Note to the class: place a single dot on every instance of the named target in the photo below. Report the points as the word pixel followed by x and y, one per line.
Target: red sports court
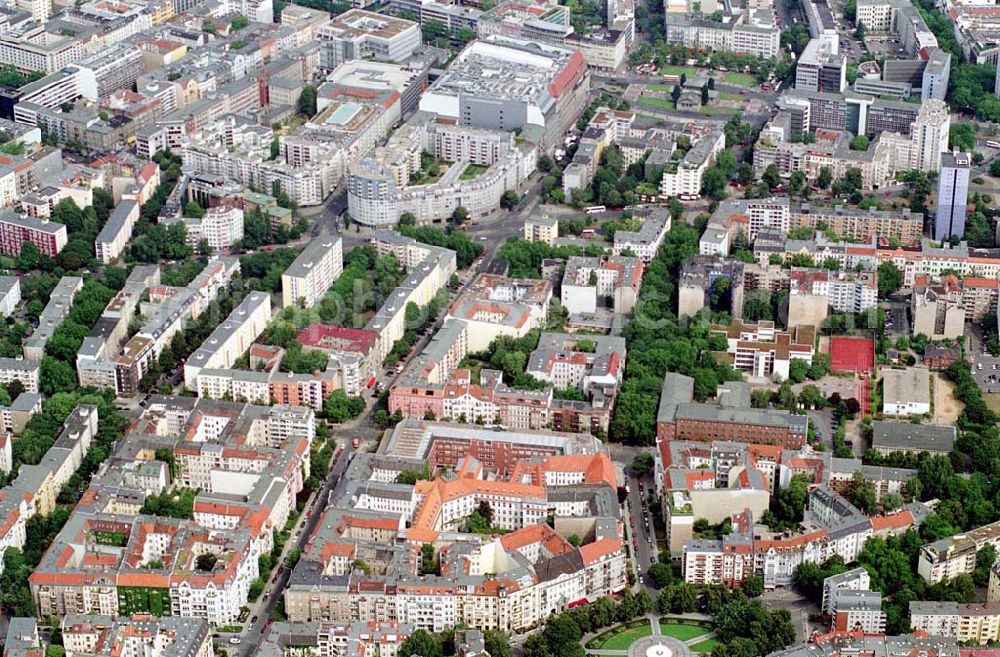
pixel 849 354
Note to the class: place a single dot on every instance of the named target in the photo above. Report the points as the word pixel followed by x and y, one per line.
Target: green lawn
pixel 662 103
pixel 721 111
pixel 705 646
pixel 473 171
pixel 740 79
pixel 655 86
pixel 623 640
pixel 678 70
pixel 726 95
pixel 682 631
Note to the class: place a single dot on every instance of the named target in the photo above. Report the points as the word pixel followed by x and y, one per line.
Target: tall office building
pixel 952 197
pixel 822 67
pixel 929 135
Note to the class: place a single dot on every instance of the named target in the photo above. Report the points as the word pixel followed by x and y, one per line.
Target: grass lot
pixel 656 102
pixel 726 95
pixel 740 79
pixel 720 111
pixel 678 70
pixel 682 631
pixel 622 640
pixel 666 88
pixel 473 171
pixel 705 646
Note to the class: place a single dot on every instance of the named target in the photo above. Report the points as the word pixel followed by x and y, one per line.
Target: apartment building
pixel 842 644
pixel 730 417
pixel 352 639
pixel 117 231
pixel 379 188
pixel 737 35
pixel 682 178
pixel 728 561
pixel 150 564
pixel 10 295
pixel 645 242
pixel 578 490
pixel 974 622
pixel 763 351
pixel 813 291
pixel 857 610
pixel 699 273
pixel 55 311
pixel 359 34
pixel 952 196
pixel 541 228
pixel 311 274
pixel 860 225
pixel 48 236
pixel 833 527
pixel 493 306
pixel 231 339
pixel 109 359
pixel 20 369
pixel 856 579
pixel 221 227
pixel 950 557
pixel 42 482
pixel 428 268
pixel 607 282
pixel 87 635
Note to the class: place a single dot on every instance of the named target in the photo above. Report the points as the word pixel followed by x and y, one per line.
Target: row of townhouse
pixel 247 464
pixel 108 358
pixel 35 488
pixel 948 558
pixel 833 527
pixel 776 216
pixel 506 583
pixel 434 384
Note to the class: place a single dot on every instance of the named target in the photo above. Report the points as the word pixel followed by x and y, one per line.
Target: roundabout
pixel 658 645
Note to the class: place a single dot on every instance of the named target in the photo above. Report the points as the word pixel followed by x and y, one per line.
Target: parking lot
pixel 986 371
pixel 897 324
pixel 985 368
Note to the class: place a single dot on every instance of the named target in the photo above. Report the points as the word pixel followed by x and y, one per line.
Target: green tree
pixel 497 644
pixel 421 643
pixel 771 177
pixel 509 200
pixel 193 209
pixel 29 257
pixel 890 279
pixel 824 178
pixel 642 463
pixel 307 101
pixel 340 407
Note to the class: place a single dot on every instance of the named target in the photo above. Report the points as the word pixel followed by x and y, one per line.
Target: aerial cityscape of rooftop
pixel 499 328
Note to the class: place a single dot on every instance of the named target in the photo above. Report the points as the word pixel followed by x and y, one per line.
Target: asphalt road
pixel 253 632
pixel 643 544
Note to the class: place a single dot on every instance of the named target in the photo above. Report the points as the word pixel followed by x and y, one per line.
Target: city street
pixel 261 610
